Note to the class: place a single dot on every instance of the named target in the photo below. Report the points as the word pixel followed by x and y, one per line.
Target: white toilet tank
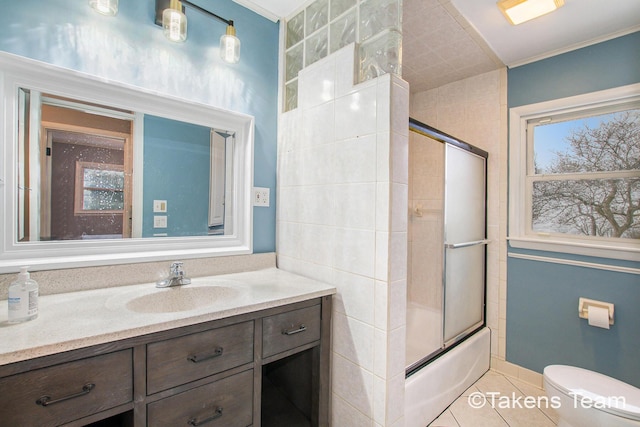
pixel 588 398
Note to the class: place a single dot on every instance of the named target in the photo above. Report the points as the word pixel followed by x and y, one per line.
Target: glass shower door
pixel 446 243
pixel 465 242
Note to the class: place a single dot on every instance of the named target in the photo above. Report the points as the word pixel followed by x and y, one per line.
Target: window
pixel 99 188
pixel 575 175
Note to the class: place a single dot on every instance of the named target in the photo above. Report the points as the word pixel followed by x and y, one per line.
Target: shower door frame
pixel 435 134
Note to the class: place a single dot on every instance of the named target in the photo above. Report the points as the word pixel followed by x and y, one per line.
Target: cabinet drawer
pixel 62 393
pixel 184 359
pixel 289 330
pixel 227 402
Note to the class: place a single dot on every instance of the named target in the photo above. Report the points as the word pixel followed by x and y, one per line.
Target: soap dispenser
pixel 23 298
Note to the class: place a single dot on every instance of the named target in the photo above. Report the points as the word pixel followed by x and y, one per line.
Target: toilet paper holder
pixel 585 303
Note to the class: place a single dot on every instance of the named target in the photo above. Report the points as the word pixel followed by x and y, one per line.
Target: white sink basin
pixel 196 297
pixel 180 298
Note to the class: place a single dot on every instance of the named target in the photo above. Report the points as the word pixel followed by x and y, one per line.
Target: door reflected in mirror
pixel 84 173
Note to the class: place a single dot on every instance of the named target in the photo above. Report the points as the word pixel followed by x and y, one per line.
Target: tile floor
pixel 504 401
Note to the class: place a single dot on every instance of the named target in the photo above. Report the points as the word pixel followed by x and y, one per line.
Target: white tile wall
pixel 342 198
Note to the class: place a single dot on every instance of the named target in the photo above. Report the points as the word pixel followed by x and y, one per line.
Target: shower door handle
pixel 466 244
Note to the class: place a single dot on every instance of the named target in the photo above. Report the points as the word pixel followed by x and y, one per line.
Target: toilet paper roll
pixel 599 317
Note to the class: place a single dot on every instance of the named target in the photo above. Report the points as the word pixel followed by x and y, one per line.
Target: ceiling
pixel 449 40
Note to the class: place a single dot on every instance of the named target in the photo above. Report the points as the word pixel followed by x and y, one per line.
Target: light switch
pixel 160 221
pixel 159 205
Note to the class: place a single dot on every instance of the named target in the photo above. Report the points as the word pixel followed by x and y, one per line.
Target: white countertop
pixel 80 319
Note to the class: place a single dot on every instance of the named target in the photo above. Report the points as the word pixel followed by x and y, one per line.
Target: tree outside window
pixel 585 175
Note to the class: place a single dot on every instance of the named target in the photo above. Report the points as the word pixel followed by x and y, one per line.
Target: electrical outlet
pixel 160 221
pixel 261 197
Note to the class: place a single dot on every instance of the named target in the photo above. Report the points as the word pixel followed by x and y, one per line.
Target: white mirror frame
pixel 18 72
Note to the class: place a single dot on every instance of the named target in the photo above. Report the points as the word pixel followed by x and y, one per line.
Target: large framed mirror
pixel 95 172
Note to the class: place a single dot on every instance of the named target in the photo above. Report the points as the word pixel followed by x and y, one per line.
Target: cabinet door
pixel 290 330
pixel 63 393
pixel 224 403
pixel 184 359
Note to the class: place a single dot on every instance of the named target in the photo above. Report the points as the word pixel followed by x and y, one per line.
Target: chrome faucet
pixel 177 277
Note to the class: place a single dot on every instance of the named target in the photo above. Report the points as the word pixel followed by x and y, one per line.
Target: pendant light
pixel 230 45
pixel 169 14
pixel 174 22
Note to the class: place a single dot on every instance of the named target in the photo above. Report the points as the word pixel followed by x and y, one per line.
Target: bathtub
pixel 429 391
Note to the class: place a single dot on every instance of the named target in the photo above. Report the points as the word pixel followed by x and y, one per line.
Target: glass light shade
pixel 105 7
pixel 230 46
pixel 174 23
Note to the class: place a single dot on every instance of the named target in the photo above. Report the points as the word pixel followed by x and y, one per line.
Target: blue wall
pixel 131 49
pixel 543 327
pixel 176 169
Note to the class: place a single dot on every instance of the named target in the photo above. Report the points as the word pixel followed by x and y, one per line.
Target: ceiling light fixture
pixel 105 7
pixel 519 11
pixel 170 15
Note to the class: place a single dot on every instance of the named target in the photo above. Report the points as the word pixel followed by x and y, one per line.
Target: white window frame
pixel 520 202
pixel 78 201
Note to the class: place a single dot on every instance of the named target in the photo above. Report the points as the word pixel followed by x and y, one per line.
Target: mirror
pixel 95 171
pixel 76 173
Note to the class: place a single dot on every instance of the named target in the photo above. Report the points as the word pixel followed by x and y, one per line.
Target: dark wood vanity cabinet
pixel 224 403
pixel 61 393
pixel 265 368
pixel 177 361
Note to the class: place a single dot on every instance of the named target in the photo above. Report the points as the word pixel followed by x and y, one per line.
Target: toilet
pixel 585 398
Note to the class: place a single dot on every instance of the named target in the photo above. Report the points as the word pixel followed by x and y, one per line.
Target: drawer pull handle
pixel 198 359
pixel 299 329
pixel 47 401
pixel 194 421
